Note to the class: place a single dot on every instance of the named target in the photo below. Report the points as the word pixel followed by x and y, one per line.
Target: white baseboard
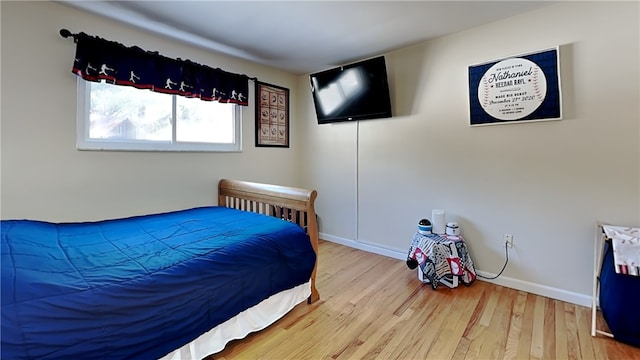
pixel 538 289
pixel 533 288
pixel 368 247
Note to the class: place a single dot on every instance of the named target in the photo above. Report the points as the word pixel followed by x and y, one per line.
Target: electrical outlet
pixel 508 240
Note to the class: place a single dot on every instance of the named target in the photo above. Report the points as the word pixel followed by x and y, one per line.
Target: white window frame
pixel 83 142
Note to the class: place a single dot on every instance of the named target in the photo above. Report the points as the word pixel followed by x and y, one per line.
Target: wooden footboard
pixel 289 203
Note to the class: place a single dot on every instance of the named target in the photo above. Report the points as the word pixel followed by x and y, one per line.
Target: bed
pixel 174 285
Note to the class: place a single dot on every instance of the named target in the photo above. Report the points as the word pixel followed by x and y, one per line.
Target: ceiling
pixel 304 36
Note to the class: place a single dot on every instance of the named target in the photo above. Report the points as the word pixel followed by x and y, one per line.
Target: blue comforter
pixel 143 286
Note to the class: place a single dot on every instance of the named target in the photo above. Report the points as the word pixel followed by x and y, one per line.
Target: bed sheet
pixel 143 286
pixel 251 320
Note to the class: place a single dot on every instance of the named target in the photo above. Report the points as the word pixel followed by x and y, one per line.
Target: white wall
pixel 45 177
pixel 547 183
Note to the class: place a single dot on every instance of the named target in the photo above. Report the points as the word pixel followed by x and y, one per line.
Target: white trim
pixel 365 246
pixel 517 284
pixel 538 289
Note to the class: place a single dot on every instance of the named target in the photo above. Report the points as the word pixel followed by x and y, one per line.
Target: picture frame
pixel 272 115
pixel 516 89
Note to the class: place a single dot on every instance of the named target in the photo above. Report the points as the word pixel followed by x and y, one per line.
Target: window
pixel 113 117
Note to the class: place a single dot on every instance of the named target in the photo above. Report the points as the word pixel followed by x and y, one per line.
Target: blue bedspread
pixel 143 286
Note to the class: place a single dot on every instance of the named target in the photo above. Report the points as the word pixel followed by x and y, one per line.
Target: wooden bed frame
pixel 289 203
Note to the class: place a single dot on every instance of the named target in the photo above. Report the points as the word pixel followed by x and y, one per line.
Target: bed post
pixel 314 235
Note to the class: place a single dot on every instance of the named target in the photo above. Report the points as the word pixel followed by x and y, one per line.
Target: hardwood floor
pixel 374 307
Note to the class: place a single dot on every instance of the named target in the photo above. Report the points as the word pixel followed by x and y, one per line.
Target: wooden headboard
pixel 289 203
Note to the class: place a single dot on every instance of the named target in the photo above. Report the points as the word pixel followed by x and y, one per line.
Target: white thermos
pixel 437 220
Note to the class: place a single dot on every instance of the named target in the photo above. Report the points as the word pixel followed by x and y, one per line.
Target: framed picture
pixel 521 88
pixel 272 115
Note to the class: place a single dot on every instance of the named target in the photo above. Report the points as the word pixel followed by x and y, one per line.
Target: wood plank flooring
pixel 374 307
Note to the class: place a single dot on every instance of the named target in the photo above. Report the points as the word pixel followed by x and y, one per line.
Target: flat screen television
pixel 357 91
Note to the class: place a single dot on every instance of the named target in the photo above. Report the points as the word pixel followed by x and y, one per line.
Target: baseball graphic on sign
pixel 512 89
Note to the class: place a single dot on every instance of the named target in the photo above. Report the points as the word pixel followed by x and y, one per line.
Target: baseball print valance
pixel 98 59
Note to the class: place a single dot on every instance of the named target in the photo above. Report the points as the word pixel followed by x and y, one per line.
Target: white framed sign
pixel 520 88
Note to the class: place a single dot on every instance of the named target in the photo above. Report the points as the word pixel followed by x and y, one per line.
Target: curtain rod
pixel 67 34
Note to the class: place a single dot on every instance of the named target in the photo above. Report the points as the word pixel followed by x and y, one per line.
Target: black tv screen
pixel 358 91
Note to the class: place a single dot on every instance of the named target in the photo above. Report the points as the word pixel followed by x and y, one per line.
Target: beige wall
pixel 547 183
pixel 45 177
